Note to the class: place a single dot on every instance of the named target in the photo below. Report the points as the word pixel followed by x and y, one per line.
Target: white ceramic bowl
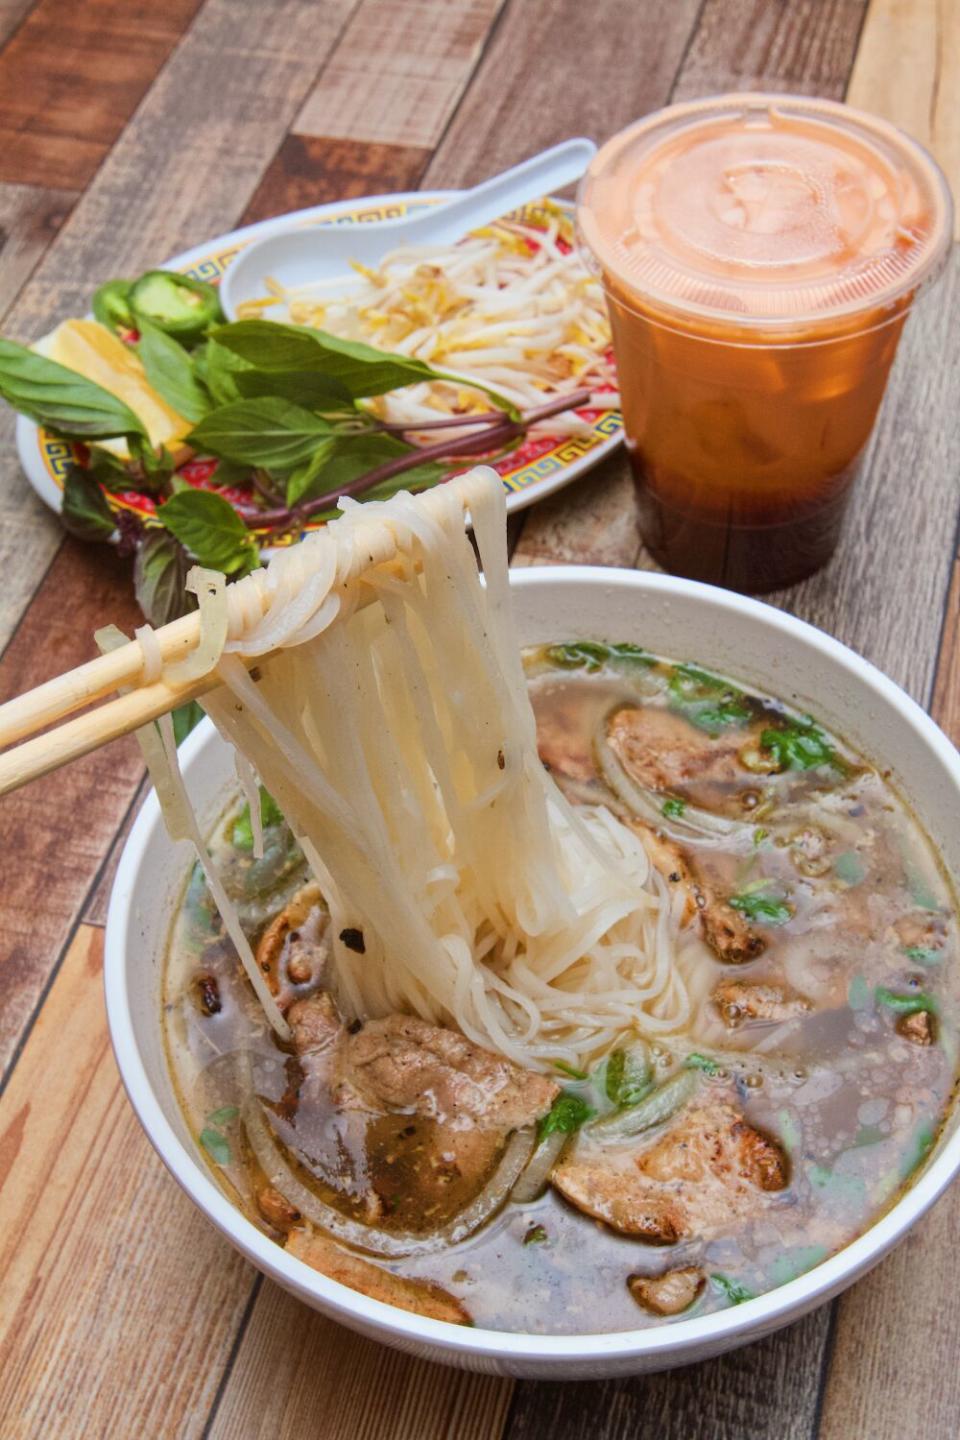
pixel 726 632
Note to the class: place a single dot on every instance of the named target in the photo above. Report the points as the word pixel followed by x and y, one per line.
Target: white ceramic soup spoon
pixel 319 256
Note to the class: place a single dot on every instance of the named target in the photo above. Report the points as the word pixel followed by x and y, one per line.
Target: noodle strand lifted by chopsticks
pixel 399 741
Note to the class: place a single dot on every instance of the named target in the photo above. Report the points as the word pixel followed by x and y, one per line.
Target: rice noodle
pixel 152 657
pixel 399 741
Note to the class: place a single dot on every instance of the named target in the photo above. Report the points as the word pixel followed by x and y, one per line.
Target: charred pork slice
pixel 662 751
pixel 725 930
pixel 709 1171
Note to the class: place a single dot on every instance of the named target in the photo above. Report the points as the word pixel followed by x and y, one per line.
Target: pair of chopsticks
pixel 52 703
pixel 62 697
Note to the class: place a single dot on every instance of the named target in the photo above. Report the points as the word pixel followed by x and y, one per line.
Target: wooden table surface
pixel 130 130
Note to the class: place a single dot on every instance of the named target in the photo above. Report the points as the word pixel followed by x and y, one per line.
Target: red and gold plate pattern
pixel 541 465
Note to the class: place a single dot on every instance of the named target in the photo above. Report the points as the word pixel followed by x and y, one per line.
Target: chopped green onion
pixel 627 1077
pixel 535 1235
pixel 696 1061
pixel 570 1070
pixel 757 904
pixel 922 955
pixel 217 1146
pixel 566 1115
pixel 736 1293
pixel 905 1004
pixel 673 807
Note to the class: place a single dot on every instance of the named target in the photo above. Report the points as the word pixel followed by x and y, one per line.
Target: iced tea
pixel 760 255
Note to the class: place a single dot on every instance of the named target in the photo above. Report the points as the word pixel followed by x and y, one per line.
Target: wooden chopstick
pixel 57 698
pixel 122 669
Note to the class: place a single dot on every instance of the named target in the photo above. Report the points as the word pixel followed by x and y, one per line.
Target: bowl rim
pixel 721 1329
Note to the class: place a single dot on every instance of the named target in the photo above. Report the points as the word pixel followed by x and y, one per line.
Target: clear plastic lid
pixel 771 208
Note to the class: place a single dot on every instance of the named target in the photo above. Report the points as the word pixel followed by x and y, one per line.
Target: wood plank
pixel 11 15
pixel 908 69
pixel 57 134
pixel 555 68
pixel 119 1301
pixel 889 1326
pixel 945 707
pixel 30 217
pixel 98 899
pixel 60 828
pixel 312 170
pixel 805 47
pixel 192 156
pixel 398 71
pixel 885 590
pixel 297 1373
pixel 758 1391
pixel 592 523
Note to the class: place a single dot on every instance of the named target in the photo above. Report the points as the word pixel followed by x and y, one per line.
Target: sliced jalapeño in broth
pixel 818 947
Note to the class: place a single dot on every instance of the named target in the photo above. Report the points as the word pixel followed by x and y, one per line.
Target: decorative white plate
pixel 536 469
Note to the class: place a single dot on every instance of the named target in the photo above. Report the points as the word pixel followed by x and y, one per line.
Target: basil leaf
pixel 84 509
pixel 159 575
pixel 353 456
pixel 186 718
pixel 360 369
pixel 211 530
pixel 268 431
pixel 156 466
pixel 310 388
pixel 170 372
pixel 220 369
pixel 308 479
pixel 62 399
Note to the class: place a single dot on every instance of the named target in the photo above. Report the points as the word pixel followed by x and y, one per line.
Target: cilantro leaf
pixel 797 745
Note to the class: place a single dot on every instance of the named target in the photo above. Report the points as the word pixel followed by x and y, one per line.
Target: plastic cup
pixel 760 254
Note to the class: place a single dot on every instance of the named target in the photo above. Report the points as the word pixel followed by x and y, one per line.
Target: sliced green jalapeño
pixel 111 305
pixel 183 307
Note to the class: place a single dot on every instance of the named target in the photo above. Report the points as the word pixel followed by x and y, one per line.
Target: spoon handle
pixel 540 175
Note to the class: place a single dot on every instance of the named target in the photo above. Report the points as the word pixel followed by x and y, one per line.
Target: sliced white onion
pixel 367 1237
pixel 695 824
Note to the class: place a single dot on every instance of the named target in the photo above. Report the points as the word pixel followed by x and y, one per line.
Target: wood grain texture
pixel 908 69
pixel 60 828
pixel 108 51
pixel 398 71
pixel 298 1374
pixel 803 47
pixel 183 170
pixel 555 68
pixel 312 170
pixel 120 1302
pixel 946 695
pixel 12 13
pixel 763 1390
pixel 594 523
pixel 896 1337
pixel 30 217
